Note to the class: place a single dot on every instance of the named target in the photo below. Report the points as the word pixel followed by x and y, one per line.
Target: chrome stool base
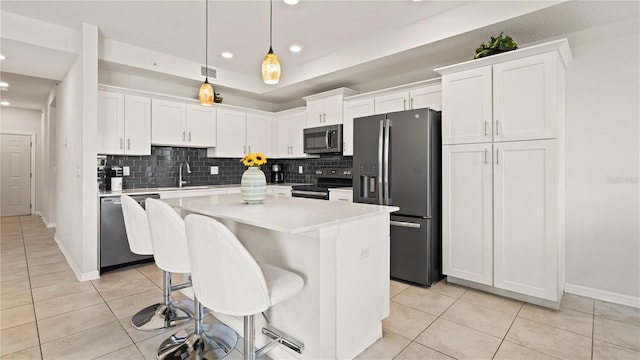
pixel 214 342
pixel 161 316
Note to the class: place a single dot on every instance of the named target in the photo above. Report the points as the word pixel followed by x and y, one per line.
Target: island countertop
pixel 279 213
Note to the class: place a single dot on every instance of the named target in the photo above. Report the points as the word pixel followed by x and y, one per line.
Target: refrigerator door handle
pixel 404 224
pixel 386 162
pixel 380 144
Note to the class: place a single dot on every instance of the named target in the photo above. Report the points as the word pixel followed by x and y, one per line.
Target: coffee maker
pixel 277 173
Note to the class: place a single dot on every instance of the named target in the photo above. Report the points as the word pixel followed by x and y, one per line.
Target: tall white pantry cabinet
pixel 503 172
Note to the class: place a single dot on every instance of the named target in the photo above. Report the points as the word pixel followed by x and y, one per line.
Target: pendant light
pixel 205 95
pixel 271 64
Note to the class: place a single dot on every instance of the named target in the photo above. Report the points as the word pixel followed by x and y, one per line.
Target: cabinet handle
pixel 411 103
pixel 129 143
pixel 189 136
pixel 324 117
pixel 404 104
pixel 497 127
pixel 121 143
pixel 244 149
pixel 486 156
pixel 290 149
pixel 497 156
pixel 184 136
pixel 486 126
pixel 320 117
pixel 249 148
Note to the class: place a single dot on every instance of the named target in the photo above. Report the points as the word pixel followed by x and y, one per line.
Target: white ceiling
pixel 322 28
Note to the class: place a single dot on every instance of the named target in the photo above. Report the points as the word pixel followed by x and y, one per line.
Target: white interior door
pixel 15 177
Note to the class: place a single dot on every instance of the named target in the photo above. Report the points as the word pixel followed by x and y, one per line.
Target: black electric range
pixel 327 178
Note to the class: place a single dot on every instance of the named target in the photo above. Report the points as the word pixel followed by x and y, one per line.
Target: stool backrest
pixel 225 277
pixel 168 237
pixel 137 226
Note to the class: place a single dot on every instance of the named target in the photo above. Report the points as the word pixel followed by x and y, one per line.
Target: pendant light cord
pixel 271 24
pixel 206 41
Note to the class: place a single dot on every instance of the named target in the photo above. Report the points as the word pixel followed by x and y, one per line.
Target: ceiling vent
pixel 208 72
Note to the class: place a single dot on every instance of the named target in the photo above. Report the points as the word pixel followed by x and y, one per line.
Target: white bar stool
pixel 242 286
pixel 162 315
pixel 170 250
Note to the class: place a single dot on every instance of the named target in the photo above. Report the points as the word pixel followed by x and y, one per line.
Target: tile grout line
pixel 507 332
pixel 33 303
pixel 593 326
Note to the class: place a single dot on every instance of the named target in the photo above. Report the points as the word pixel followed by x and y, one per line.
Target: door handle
pixel 411 103
pixel 380 145
pixel 326 138
pixel 320 117
pixel 404 224
pixel 324 117
pixel 404 104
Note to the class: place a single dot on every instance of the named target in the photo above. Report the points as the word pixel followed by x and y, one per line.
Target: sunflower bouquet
pixel 254 159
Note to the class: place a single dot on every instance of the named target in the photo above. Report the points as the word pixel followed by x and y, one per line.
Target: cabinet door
pixel 525 99
pixel 137 125
pixel 110 123
pixel 352 110
pixel 393 102
pixel 525 218
pixel 297 131
pixel 315 112
pixel 332 110
pixel 428 96
pixel 259 134
pixel 282 147
pixel 467 242
pixel 201 126
pixel 231 134
pixel 168 123
pixel 466 106
pixel 340 195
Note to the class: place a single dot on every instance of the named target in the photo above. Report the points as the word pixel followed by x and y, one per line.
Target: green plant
pixel 497 45
pixel 217 98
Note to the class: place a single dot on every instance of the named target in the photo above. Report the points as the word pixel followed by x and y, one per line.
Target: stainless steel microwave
pixel 323 140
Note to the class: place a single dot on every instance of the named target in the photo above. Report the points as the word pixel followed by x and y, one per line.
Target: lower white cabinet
pixel 341 195
pixel 500 216
pixel 279 190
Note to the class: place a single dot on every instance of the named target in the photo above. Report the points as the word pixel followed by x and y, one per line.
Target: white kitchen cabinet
pixel 180 124
pixel 232 130
pixel 341 195
pixel 260 134
pixel 353 109
pixel 421 97
pixel 467 238
pixel 278 190
pixel 289 132
pixel 502 192
pixel 240 132
pixel 525 214
pixel 124 124
pixel 326 108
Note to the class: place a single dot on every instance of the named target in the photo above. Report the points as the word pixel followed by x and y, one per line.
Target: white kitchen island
pixel 340 249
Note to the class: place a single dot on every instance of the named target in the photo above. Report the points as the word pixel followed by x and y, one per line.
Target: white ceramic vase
pixel 253 185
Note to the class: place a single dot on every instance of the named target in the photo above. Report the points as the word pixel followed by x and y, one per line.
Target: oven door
pixel 321 195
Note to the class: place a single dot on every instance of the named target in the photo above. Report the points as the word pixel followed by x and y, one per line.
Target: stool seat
pixel 282 284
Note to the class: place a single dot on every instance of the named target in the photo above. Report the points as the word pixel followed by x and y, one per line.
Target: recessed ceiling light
pixel 291 2
pixel 2 57
pixel 5 103
pixel 295 48
pixel 4 84
pixel 227 54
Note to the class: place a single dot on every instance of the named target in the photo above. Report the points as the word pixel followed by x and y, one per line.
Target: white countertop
pixel 279 213
pixel 142 191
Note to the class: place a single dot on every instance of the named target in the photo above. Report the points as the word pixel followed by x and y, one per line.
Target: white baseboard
pixel 91 275
pixel 602 295
pixel 46 221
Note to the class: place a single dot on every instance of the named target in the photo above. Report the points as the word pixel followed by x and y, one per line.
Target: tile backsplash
pixel 161 168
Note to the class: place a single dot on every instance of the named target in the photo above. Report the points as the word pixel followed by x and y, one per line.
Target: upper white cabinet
pixel 124 124
pixel 506 97
pixel 353 109
pixel 326 108
pixel 240 132
pixel 289 131
pixel 182 124
pixel 426 96
pixel 503 172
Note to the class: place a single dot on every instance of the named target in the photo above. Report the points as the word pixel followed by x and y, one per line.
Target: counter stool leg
pixel 249 338
pixel 160 316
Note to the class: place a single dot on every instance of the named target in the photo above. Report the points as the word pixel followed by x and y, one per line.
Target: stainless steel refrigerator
pixel 397 161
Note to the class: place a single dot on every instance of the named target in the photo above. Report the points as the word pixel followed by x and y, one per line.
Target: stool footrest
pixel 279 337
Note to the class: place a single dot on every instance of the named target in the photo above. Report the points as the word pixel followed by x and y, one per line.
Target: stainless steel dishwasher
pixel 114 244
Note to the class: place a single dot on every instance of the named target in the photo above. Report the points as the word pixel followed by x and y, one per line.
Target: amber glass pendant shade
pixel 206 94
pixel 271 68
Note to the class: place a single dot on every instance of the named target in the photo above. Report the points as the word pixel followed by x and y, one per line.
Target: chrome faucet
pixel 181 181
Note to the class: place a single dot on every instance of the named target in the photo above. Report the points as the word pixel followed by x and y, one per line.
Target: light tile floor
pixel 45 313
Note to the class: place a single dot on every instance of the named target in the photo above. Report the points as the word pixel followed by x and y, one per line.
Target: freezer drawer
pixel 415 250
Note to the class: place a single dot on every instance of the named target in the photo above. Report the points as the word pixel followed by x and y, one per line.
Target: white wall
pixel 602 163
pixel 76 126
pixel 27 121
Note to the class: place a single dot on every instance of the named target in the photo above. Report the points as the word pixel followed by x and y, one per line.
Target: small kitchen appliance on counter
pixel 277 173
pixel 116 178
pixel 328 178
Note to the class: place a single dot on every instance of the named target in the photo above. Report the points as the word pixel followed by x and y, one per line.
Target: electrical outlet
pixel 125 171
pixel 300 171
pixel 214 170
